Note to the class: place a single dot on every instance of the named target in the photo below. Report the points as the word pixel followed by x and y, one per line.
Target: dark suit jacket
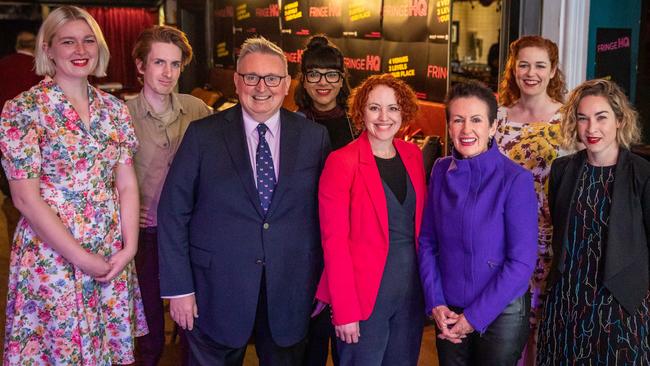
pixel 626 253
pixel 214 239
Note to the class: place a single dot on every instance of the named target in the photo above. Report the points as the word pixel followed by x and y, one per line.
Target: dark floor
pixel 171 356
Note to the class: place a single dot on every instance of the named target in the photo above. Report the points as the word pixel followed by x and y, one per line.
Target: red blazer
pixel 354 226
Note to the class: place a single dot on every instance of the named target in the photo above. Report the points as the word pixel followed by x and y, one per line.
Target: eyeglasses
pixel 269 80
pixel 314 76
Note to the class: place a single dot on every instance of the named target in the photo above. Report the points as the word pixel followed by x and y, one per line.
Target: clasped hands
pixel 453 326
pixel 104 269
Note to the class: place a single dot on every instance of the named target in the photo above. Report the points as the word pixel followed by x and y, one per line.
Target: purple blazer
pixel 478 242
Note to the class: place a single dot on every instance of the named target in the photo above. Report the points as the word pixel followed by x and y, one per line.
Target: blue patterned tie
pixel 265 170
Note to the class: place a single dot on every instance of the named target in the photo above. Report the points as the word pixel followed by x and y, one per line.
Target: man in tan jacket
pixel 160 117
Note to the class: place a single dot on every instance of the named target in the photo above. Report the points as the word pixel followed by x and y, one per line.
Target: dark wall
pixel 643 77
pixel 191 19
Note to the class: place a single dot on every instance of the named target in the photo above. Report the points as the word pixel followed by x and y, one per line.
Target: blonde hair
pixel 57 19
pixel 629 130
pixel 261 45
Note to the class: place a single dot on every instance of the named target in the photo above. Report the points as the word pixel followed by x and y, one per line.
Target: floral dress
pixel 56 314
pixel 534 146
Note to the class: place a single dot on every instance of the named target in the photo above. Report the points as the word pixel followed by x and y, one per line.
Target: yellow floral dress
pixel 534 146
pixel 56 314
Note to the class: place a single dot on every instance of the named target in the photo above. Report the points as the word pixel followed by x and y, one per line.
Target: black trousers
pixel 500 345
pixel 206 352
pixel 150 346
pixel 392 335
pixel 321 331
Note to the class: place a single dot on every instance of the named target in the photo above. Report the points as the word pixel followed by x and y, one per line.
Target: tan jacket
pixel 158 145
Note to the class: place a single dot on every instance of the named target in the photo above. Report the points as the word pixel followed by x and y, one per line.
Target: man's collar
pixel 24 52
pixel 148 110
pixel 273 123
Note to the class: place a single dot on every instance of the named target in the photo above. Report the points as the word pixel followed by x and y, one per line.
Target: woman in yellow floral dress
pixel 528 128
pixel 67 149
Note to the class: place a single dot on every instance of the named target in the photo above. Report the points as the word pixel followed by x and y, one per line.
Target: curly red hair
pixel 509 91
pixel 405 98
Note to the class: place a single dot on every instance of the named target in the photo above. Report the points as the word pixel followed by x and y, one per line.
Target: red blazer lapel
pixel 372 180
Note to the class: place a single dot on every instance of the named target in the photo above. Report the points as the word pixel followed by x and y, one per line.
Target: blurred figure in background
pixel 17 70
pixel 17 75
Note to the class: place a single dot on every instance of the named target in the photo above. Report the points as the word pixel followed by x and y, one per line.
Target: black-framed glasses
pixel 269 80
pixel 313 76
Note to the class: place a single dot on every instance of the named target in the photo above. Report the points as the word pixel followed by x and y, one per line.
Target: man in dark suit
pixel 18 75
pixel 17 70
pixel 239 238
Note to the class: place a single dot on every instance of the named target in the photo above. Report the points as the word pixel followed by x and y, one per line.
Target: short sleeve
pixel 127 137
pixel 20 133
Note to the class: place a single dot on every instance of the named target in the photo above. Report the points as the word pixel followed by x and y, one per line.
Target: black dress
pixel 339 127
pixel 582 322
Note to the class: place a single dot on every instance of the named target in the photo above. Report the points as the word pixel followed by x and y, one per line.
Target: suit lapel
pixel 566 193
pixel 289 147
pixel 235 137
pixel 620 243
pixel 372 180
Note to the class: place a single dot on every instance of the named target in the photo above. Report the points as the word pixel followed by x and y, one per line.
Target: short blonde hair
pixel 264 46
pixel 629 131
pixel 54 22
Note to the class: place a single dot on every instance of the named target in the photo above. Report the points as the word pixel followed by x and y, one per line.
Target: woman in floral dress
pixel 67 149
pixel 528 131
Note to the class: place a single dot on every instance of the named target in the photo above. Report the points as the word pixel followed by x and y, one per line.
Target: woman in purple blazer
pixel 478 239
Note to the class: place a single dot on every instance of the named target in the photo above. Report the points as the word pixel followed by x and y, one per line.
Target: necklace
pixel 387 154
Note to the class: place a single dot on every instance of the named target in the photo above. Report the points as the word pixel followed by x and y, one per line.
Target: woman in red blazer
pixel 371 197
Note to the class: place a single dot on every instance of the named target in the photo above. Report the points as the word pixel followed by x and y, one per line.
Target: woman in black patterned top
pixel 597 310
pixel 322 97
pixel 323 90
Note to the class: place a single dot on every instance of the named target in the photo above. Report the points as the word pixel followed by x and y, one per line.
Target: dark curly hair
pixel 406 98
pixel 322 54
pixel 509 92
